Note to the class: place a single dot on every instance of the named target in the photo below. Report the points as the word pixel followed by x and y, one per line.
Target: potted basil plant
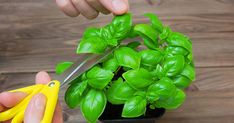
pixel 131 82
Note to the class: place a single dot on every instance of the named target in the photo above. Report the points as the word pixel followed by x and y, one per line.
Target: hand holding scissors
pixel 35 110
pixel 16 113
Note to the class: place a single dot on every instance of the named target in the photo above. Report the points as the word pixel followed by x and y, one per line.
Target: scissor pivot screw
pixel 51 84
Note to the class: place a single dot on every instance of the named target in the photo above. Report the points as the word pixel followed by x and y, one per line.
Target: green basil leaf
pixel 91 32
pixel 106 32
pixel 110 64
pixel 158 72
pixel 152 97
pixel 121 26
pixel 181 81
pixel 146 30
pixel 139 78
pixel 173 102
pixel 192 64
pixel 83 76
pixel 149 68
pixel 61 67
pixel 126 68
pixel 112 42
pixel 147 33
pixel 150 57
pixel 73 95
pixel 79 79
pixel 127 57
pixel 190 57
pixel 165 33
pixel 132 33
pixel 110 56
pixel 149 43
pixel 93 105
pixel 134 44
pixel 91 45
pixel 152 107
pixel 140 93
pixel 134 107
pixel 161 90
pixel 178 39
pixel 119 92
pixel 98 78
pixel 189 72
pixel 176 50
pixel 173 65
pixel 156 23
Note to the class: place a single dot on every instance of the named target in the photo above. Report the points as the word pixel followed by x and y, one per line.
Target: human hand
pixel 91 8
pixel 35 110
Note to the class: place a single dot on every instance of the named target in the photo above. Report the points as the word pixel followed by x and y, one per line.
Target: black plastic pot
pixel 112 114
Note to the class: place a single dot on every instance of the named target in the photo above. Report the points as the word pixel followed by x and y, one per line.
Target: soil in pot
pixel 112 114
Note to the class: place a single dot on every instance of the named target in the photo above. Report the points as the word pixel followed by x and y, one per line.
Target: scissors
pixel 51 90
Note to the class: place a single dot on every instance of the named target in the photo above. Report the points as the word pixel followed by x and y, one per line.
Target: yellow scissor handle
pixel 50 90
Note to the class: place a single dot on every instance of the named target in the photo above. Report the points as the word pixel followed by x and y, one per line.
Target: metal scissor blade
pixel 84 63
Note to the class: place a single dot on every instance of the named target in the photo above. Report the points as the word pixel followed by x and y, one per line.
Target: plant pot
pixel 112 114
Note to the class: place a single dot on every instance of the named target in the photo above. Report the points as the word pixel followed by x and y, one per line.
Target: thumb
pixel 35 110
pixel 117 7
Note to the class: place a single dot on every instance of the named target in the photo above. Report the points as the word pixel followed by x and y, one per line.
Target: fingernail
pixel 40 101
pixel 119 5
pixel 61 2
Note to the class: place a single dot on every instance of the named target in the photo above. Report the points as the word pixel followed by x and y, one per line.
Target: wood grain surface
pixel 35 35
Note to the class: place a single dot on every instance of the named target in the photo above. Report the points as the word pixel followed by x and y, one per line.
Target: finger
pixel 98 6
pixel 84 8
pixel 58 116
pixel 117 7
pixel 42 78
pixel 35 110
pixel 8 121
pixel 67 7
pixel 10 99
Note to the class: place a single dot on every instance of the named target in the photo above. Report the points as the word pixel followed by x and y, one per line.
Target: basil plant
pixel 152 72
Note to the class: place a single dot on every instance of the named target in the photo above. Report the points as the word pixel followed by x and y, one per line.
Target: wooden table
pixel 35 35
